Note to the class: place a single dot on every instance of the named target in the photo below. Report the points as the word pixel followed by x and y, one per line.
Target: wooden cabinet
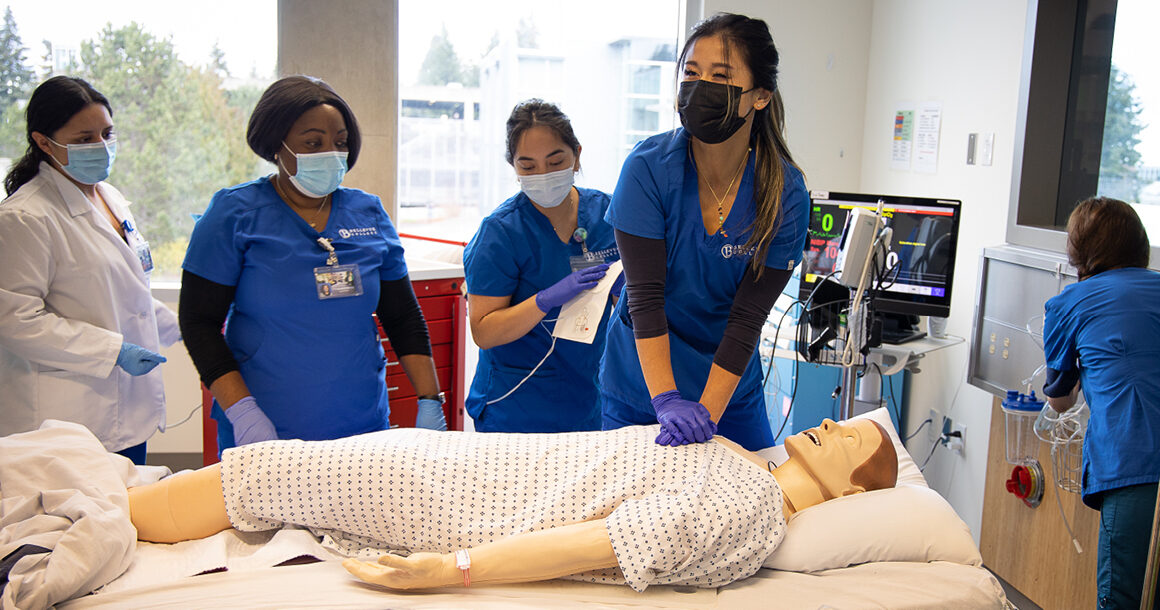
pixel 445 309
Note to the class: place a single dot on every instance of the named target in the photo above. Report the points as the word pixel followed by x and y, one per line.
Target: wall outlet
pixel 958 438
pixel 935 425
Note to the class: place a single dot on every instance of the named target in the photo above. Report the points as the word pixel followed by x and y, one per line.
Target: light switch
pixel 972 141
pixel 986 148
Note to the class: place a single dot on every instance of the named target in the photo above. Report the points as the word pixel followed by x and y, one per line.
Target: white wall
pixel 823 47
pixel 965 56
pixel 182 394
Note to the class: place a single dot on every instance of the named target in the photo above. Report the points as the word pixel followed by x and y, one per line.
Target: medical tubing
pixel 1059 503
pixel 532 372
pixel 1028 380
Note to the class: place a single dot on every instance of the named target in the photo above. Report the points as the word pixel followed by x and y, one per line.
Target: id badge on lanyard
pixel 587 259
pixel 139 245
pixel 335 281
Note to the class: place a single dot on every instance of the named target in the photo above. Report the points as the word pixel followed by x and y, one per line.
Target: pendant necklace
pixel 313 219
pixel 721 200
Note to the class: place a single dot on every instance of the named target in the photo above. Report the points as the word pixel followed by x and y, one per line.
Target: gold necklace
pixel 721 200
pixel 313 219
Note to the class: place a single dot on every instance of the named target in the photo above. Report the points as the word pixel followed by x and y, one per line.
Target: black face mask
pixel 709 110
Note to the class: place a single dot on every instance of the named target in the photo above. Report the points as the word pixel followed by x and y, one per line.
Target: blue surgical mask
pixel 550 189
pixel 89 163
pixel 319 174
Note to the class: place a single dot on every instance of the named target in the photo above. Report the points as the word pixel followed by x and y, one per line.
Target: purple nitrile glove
pixel 685 418
pixel 617 285
pixel 566 289
pixel 137 360
pixel 673 438
pixel 668 438
pixel 250 424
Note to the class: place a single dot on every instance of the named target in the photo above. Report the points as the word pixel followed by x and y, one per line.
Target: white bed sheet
pixel 898 586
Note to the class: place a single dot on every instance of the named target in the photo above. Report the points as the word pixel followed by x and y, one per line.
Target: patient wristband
pixel 463 562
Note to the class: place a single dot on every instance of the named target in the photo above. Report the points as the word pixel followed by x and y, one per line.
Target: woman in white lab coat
pixel 79 328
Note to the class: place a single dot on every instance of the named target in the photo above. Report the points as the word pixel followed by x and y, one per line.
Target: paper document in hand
pixel 580 317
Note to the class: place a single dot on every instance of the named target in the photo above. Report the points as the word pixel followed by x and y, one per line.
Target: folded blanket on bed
pixel 60 490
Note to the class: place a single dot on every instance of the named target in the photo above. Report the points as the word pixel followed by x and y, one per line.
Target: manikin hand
pixel 417 571
pixel 137 360
pixel 566 289
pixel 684 420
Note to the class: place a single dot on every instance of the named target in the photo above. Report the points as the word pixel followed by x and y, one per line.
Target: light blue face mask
pixel 319 174
pixel 89 163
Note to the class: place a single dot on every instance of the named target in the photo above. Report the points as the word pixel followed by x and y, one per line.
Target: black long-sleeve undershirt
pixel 203 306
pixel 645 273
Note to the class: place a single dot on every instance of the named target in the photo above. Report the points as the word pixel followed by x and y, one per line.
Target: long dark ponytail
pixel 52 104
pixel 751 38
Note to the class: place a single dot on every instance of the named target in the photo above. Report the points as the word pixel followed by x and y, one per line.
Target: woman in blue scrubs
pixel 710 220
pixel 294 265
pixel 534 253
pixel 1103 333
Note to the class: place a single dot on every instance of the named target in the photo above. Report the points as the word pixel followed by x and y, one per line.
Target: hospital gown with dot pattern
pixel 698 515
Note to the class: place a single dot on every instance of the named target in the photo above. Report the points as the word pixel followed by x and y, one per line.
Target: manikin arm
pixel 542 555
pixel 185 506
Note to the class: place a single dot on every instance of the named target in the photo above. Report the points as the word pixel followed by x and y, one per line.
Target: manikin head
pixel 835 460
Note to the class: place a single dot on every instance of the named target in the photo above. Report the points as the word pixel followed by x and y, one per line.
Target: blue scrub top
pixel 1108 327
pixel 516 253
pixel 656 197
pixel 316 367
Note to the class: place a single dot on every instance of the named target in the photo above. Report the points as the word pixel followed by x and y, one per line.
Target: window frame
pixel 1041 131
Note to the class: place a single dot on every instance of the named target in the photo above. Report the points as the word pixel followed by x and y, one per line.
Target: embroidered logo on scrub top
pixel 731 250
pixel 358 232
pixel 601 254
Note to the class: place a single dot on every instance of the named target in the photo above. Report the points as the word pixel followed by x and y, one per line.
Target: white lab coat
pixel 71 291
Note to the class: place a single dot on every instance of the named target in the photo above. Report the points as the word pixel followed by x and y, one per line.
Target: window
pixel 181 83
pixel 613 76
pixel 1090 122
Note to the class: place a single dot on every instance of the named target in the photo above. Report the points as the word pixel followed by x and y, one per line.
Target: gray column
pixel 353 46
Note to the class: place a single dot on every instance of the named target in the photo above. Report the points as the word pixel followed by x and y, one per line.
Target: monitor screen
pixel 921 261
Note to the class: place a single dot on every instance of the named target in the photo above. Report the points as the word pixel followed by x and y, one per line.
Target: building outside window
pixel 463 67
pixel 182 84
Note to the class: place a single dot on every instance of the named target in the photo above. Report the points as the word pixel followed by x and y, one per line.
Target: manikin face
pixel 830 452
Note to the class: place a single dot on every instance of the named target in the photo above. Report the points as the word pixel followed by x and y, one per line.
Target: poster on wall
pixel 926 131
pixel 903 141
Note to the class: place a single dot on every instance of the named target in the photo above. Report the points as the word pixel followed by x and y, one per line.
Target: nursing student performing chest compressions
pixel 711 220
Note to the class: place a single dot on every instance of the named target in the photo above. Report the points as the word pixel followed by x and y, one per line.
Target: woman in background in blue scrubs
pixel 294 265
pixel 534 253
pixel 710 220
pixel 1103 333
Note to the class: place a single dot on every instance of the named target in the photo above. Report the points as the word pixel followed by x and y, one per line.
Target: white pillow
pixel 906 523
pixel 910 522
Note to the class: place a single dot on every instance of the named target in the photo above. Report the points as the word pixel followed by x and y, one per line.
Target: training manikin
pixel 577 505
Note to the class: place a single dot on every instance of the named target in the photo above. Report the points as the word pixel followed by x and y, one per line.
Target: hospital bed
pixel 898 548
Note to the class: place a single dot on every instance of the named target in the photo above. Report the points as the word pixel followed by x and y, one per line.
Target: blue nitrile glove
pixel 617 285
pixel 430 415
pixel 250 424
pixel 566 289
pixel 690 420
pixel 137 360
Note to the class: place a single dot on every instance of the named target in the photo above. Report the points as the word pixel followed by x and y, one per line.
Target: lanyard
pixel 331 257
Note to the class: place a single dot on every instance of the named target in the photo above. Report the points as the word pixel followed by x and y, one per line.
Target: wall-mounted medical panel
pixel 1007 334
